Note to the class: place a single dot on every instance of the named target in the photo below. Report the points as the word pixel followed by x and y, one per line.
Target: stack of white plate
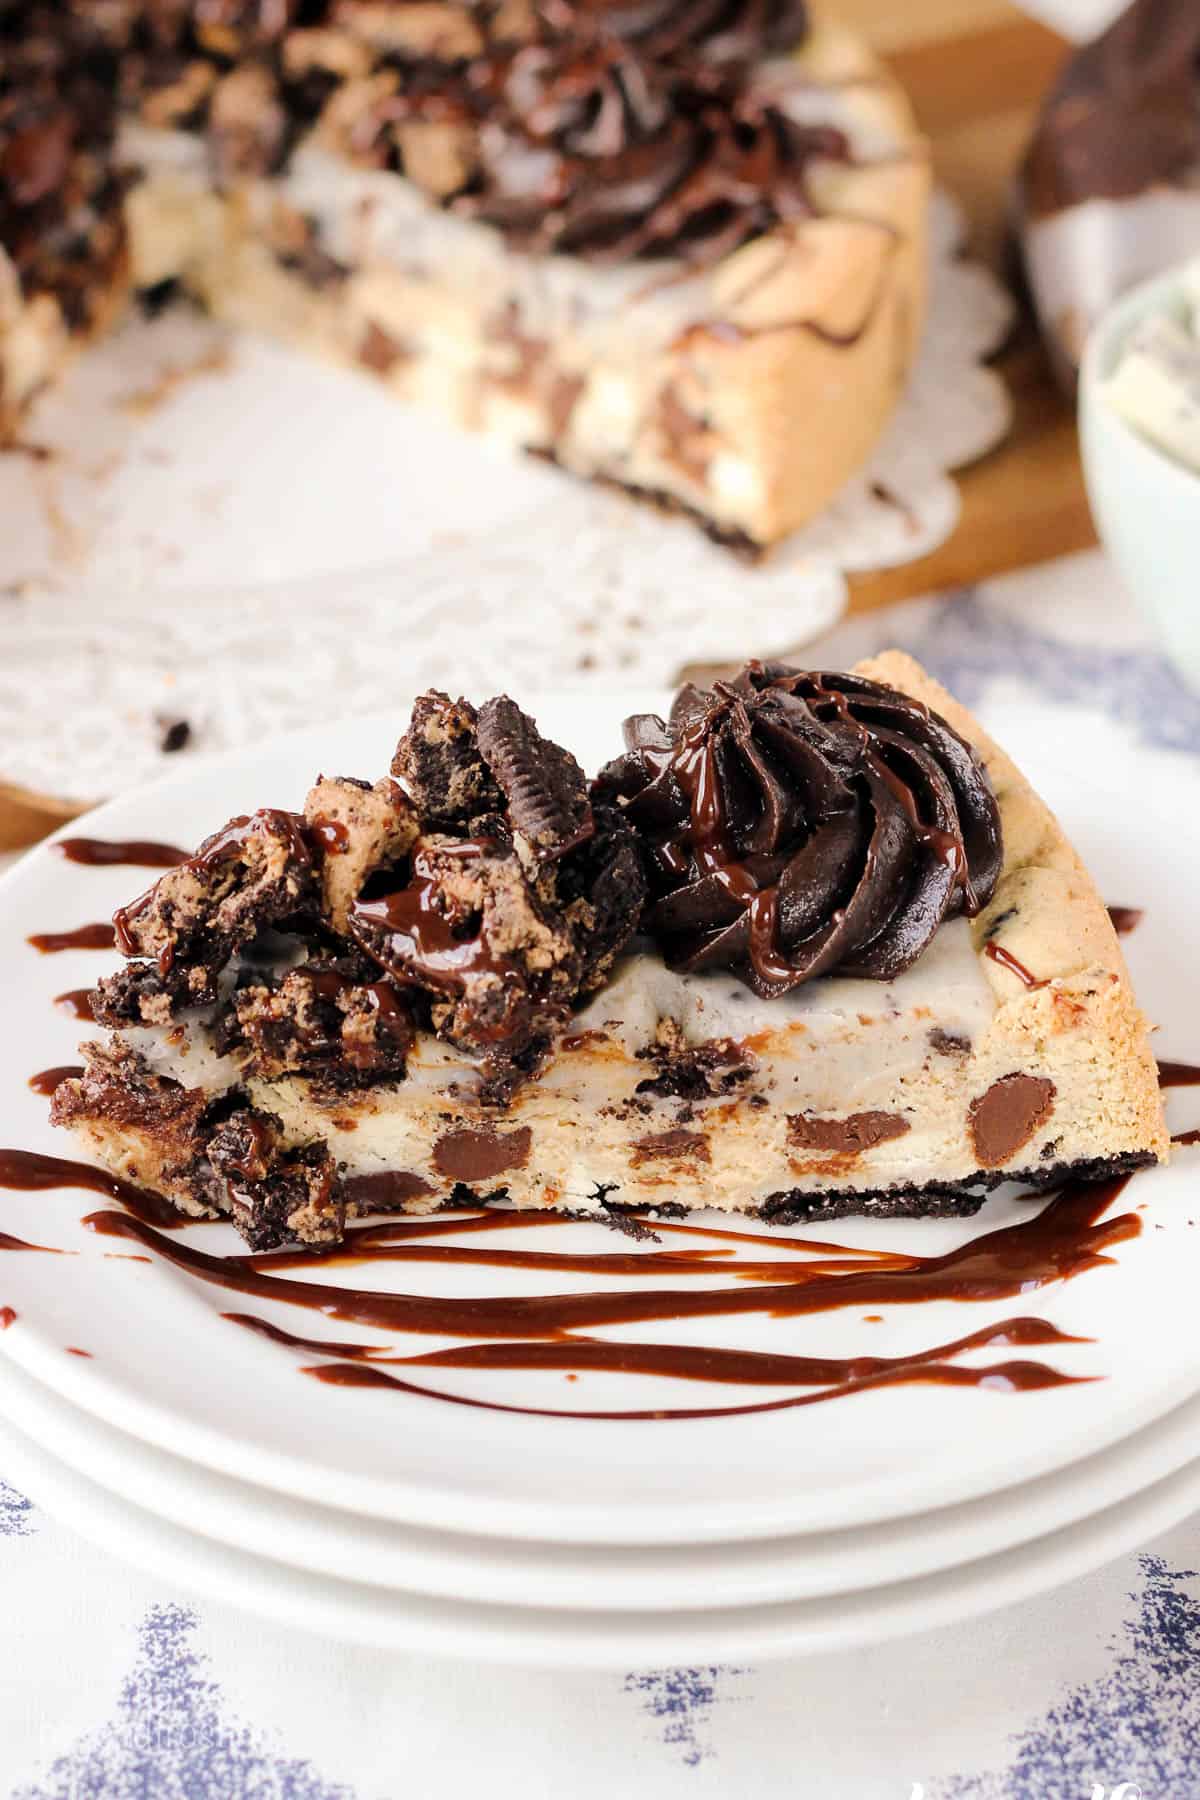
pixel 199 1449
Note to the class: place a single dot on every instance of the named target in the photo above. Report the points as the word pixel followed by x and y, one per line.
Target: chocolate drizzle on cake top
pixel 609 129
pixel 613 143
pixel 800 823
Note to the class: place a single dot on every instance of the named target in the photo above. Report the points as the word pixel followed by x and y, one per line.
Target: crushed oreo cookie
pixel 519 900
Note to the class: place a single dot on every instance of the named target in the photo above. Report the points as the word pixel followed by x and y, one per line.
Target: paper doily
pixel 178 552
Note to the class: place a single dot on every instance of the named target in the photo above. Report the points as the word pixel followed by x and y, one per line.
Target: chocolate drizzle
pixel 123 853
pixel 98 936
pixel 1074 1232
pixel 1005 959
pixel 800 823
pixel 47 1080
pixel 1178 1074
pixel 27 1171
pixel 77 1003
pixel 1070 1235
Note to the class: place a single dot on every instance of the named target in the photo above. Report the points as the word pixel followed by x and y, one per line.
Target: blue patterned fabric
pixel 16 1513
pixel 1139 1723
pixel 171 1736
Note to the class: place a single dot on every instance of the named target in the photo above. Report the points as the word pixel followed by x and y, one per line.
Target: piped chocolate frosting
pixel 798 823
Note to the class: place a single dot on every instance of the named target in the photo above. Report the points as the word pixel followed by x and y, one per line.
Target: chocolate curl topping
pixel 797 823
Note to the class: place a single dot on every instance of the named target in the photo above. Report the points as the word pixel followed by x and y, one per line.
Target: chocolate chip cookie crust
pixel 553 1058
pixel 694 267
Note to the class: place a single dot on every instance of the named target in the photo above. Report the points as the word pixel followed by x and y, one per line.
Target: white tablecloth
pixel 114 1686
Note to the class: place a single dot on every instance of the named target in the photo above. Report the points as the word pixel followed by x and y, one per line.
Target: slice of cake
pixel 811 947
pixel 654 244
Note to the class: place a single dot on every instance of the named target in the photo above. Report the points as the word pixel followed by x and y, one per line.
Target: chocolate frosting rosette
pixel 796 823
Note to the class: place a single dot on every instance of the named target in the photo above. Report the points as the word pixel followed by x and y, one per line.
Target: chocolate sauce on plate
pixel 98 936
pixel 1125 919
pixel 1068 1236
pixel 8 1242
pixel 77 1002
pixel 1065 1238
pixel 124 853
pixel 47 1080
pixel 1019 1376
pixel 1178 1074
pixel 27 1171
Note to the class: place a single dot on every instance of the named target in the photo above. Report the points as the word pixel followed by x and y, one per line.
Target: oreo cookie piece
pixel 545 790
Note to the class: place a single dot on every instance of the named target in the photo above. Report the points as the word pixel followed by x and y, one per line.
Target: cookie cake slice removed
pixel 812 947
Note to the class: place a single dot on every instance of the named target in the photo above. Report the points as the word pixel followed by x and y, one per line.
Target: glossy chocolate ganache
pixel 797 823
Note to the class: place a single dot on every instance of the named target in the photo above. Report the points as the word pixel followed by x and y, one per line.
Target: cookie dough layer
pixel 747 393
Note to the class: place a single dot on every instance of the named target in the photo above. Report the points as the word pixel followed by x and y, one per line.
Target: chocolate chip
pixel 474 1156
pixel 1004 1118
pixel 671 1146
pixel 849 1136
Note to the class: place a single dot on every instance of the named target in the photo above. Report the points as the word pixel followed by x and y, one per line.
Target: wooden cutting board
pixel 975 70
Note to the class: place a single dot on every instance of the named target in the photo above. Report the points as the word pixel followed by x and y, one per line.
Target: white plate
pixel 658 1578
pixel 167 1368
pixel 393 1620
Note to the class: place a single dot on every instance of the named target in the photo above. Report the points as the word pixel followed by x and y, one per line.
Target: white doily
pixel 228 534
